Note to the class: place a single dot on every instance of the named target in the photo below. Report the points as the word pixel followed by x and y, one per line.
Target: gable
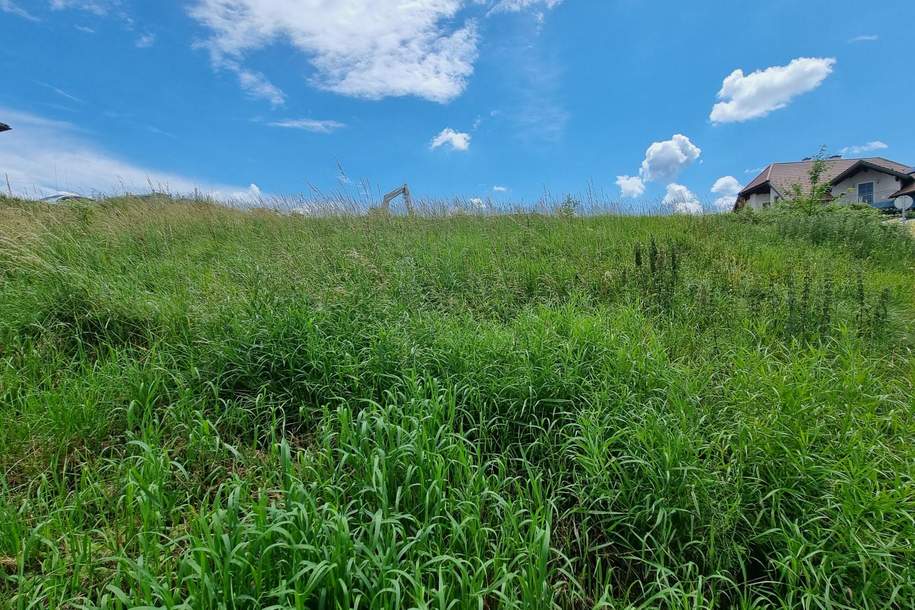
pixel 876 164
pixel 884 183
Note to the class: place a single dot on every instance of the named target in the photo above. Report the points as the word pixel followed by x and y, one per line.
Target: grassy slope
pixel 229 410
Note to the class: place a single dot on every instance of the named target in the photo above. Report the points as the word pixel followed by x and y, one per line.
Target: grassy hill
pixel 208 408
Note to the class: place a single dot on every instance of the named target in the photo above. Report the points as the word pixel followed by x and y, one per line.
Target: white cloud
pixel 514 6
pixel 726 185
pixel 630 186
pixel 313 125
pixel 362 48
pixel 865 38
pixel 160 132
pixel 98 7
pixel 664 160
pixel 42 156
pixel 455 139
pixel 725 204
pixel 500 189
pixel 477 202
pixel 755 95
pixel 256 85
pixel 681 200
pixel 145 41
pixel 115 9
pixel 61 92
pixel 727 188
pixel 8 6
pixel 863 148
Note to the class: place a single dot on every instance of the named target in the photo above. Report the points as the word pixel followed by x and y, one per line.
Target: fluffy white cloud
pixel 727 188
pixel 664 160
pixel 681 200
pixel 755 95
pixel 726 185
pixel 312 125
pixel 8 6
pixel 455 139
pixel 362 48
pixel 630 186
pixel 42 156
pixel 863 148
pixel 500 189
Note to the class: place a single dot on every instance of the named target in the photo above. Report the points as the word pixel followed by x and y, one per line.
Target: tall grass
pixel 214 408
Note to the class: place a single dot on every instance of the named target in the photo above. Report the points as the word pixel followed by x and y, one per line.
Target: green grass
pixel 207 408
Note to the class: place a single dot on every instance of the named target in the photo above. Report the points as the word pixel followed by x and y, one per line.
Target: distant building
pixel 875 181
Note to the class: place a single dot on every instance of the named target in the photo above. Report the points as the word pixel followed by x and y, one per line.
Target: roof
pixel 783 177
pixel 906 190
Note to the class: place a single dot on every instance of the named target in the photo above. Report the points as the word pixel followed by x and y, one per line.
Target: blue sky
pixel 489 99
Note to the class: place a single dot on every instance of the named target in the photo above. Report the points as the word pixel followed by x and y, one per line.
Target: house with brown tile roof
pixel 873 180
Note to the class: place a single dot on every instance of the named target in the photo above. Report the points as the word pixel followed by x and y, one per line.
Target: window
pixel 866 192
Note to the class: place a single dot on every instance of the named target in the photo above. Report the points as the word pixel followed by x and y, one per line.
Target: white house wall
pixel 758 200
pixel 884 186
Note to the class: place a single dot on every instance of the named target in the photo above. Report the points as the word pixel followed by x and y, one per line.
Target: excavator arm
pixel 407 198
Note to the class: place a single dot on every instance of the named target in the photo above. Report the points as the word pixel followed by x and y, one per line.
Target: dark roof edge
pixel 906 190
pixel 750 190
pixel 859 163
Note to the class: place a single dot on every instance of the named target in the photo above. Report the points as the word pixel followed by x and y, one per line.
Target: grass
pixel 210 408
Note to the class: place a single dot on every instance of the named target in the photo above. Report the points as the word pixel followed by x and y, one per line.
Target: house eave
pixel 909 190
pixel 862 165
pixel 765 186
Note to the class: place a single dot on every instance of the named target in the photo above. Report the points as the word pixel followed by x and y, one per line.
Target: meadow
pixel 212 408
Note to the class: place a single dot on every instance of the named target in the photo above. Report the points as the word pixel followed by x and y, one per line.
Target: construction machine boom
pixel 407 199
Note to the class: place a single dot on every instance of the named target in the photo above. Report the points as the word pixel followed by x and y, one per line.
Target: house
pixel 874 180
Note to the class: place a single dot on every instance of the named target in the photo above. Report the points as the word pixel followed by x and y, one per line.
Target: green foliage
pixel 208 408
pixel 811 198
pixel 857 229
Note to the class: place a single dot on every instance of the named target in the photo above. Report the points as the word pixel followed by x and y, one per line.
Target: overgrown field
pixel 207 408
